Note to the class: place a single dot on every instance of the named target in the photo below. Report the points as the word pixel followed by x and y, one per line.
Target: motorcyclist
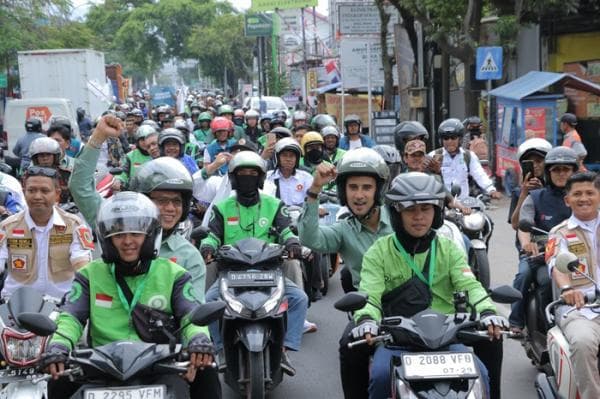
pixel 163 180
pixel 203 132
pixel 218 153
pixel 571 137
pixel 74 144
pixel 319 121
pixel 171 143
pixel 331 138
pixel 300 131
pixel 313 151
pixel 146 149
pixel 458 164
pixel 473 140
pixel 226 111
pixel 278 120
pixel 428 267
pixel 238 117
pixel 407 131
pixel 360 178
pixel 191 147
pixel 252 130
pixel 290 182
pixel 299 118
pixel 33 128
pixel 265 122
pixel 353 138
pixel 578 235
pixel 543 208
pixel 46 152
pixel 252 214
pixel 130 245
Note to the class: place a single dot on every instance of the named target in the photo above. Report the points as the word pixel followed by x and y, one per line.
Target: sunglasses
pixel 41 171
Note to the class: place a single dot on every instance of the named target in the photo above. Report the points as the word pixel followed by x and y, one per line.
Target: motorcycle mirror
pixel 5 168
pixel 199 233
pixel 566 262
pixel 206 313
pixel 455 190
pixel 505 294
pixel 525 225
pixel 38 324
pixel 352 301
pixel 115 171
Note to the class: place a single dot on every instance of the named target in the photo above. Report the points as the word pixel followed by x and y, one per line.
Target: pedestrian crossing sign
pixel 489 63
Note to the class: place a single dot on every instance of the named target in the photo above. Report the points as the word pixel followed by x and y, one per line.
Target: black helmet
pixel 559 156
pixel 413 188
pixel 451 127
pixel 409 130
pixel 166 174
pixel 361 162
pixel 129 212
pixel 569 118
pixel 389 154
pixel 80 113
pixel 472 120
pixel 281 132
pixel 171 134
pixel 322 120
pixel 33 125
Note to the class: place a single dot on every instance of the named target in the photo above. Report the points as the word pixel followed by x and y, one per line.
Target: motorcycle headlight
pixel 273 300
pixel 22 349
pixel 474 221
pixel 477 392
pixel 231 301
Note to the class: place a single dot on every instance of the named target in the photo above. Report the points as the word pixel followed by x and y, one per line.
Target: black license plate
pixel 251 279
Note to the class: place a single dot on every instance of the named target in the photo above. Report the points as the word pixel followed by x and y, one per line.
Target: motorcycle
pixel 534 341
pixel 253 326
pixel 560 381
pixel 20 348
pixel 428 369
pixel 126 369
pixel 478 228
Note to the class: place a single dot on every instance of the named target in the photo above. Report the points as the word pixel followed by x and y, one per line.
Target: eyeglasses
pixel 164 201
pixel 41 171
pixel 445 138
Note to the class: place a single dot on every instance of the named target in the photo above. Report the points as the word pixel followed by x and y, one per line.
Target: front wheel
pixel 478 260
pixel 256 376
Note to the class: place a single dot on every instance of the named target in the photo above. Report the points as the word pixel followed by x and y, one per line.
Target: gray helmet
pixel 281 132
pixel 560 156
pixel 181 125
pixel 322 120
pixel 252 113
pixel 534 145
pixel 44 145
pixel 171 134
pixel 150 122
pixel 389 154
pixel 129 212
pixel 299 116
pixel 409 130
pixel 361 162
pixel 288 144
pixel 412 188
pixel 247 159
pixel 144 131
pixel 164 174
pixel 330 131
pixel 451 127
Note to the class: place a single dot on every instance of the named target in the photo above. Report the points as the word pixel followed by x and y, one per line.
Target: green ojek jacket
pixel 94 296
pixel 133 160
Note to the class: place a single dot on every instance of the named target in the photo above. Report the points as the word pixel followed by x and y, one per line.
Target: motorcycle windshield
pixel 25 299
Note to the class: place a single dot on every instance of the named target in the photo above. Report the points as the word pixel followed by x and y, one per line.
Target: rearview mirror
pixel 525 225
pixel 505 294
pixel 206 313
pixel 566 262
pixel 38 324
pixel 455 190
pixel 352 301
pixel 199 233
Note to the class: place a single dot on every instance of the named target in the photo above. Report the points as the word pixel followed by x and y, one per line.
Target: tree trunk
pixel 386 60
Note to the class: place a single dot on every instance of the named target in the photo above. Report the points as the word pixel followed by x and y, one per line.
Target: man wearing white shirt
pixel 43 246
pixel 457 163
pixel 579 235
pixel 289 183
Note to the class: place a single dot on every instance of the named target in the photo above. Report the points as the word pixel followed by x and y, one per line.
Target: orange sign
pixel 42 113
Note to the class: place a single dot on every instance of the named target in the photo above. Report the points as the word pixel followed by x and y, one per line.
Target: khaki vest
pixel 578 244
pixel 22 264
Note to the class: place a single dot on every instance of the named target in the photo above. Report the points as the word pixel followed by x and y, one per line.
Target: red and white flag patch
pixel 18 232
pixel 104 301
pixel 233 221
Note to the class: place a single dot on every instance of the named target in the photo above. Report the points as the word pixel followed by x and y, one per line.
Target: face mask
pixel 247 184
pixel 314 156
pixel 238 121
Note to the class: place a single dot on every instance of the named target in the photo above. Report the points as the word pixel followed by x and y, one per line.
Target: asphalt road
pixel 317 363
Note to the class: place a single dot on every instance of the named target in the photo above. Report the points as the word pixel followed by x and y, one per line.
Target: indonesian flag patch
pixel 233 221
pixel 103 301
pixel 18 232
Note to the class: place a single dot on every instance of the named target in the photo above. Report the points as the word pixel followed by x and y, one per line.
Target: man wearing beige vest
pixel 43 246
pixel 579 235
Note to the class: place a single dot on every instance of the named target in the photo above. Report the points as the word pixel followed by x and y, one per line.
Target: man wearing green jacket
pixel 103 293
pixel 164 180
pixel 146 148
pixel 413 269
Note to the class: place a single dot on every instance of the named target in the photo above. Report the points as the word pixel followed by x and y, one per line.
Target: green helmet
pixel 225 109
pixel 247 159
pixel 164 174
pixel 205 117
pixel 362 162
pixel 144 131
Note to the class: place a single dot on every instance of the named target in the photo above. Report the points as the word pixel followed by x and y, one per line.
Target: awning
pixel 326 88
pixel 535 81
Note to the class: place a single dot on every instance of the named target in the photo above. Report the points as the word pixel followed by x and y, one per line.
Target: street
pixel 317 363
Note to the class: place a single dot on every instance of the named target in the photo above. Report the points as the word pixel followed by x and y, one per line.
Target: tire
pixel 478 260
pixel 325 273
pixel 256 376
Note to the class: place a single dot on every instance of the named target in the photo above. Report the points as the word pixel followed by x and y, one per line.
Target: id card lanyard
pixel 411 261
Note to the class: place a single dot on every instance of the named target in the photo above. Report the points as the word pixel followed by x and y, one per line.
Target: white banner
pixel 353 62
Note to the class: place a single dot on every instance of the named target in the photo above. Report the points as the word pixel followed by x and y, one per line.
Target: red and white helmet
pixel 220 123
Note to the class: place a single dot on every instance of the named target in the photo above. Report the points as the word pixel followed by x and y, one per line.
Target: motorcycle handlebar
pixel 378 338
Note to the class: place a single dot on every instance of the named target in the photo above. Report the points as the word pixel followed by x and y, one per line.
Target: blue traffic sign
pixel 489 63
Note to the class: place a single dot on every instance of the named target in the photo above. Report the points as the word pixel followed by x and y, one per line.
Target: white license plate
pixel 439 365
pixel 145 392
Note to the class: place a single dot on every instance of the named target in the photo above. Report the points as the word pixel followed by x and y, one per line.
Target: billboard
pixel 271 5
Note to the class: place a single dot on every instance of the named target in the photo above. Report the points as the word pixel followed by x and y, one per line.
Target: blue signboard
pixel 162 95
pixel 489 63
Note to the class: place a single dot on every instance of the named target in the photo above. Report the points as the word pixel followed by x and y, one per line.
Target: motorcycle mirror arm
pixel 169 335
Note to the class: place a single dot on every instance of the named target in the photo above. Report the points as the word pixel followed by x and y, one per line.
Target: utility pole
pixel 304 66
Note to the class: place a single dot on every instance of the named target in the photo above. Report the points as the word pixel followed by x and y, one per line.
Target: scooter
pixel 253 326
pixel 20 348
pixel 560 382
pixel 428 369
pixel 126 369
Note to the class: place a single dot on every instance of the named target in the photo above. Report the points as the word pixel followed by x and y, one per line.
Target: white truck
pixel 75 74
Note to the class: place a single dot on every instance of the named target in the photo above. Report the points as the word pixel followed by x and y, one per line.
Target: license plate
pixel 244 279
pixel 29 371
pixel 439 365
pixel 145 392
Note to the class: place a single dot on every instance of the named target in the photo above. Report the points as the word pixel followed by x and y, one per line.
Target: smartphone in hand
pixel 527 167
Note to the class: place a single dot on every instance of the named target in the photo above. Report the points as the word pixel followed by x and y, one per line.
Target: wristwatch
pixel 312 195
pixel 565 288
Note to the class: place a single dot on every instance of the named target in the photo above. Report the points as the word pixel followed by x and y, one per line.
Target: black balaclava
pixel 411 244
pixel 247 190
pixel 315 156
pixel 132 268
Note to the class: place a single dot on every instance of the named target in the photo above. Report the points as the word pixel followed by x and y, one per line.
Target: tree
pixel 386 61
